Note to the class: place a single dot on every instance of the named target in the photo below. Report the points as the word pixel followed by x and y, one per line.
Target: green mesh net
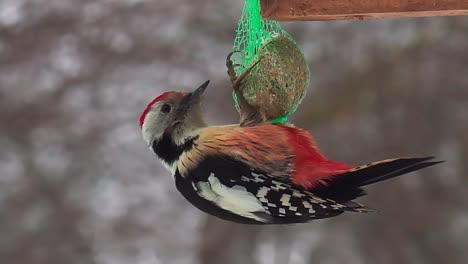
pixel 280 78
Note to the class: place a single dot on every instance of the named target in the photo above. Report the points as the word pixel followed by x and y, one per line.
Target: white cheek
pixel 147 137
pixel 152 128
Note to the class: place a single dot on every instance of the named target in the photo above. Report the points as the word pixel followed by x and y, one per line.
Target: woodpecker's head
pixel 173 115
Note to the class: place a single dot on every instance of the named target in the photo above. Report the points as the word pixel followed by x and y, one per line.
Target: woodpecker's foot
pixel 237 84
pixel 249 115
pixel 230 67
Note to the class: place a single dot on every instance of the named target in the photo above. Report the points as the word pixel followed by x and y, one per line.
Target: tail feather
pixel 346 186
pixel 382 170
pixel 402 171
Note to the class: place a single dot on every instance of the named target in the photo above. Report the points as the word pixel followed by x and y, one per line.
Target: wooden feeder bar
pixel 288 10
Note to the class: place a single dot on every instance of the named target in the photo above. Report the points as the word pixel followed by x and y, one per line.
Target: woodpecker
pixel 261 174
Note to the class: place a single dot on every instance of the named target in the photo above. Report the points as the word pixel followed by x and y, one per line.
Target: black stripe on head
pixel 168 150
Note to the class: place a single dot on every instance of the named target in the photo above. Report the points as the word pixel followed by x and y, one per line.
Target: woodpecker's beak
pixel 192 98
pixel 187 102
pixel 195 95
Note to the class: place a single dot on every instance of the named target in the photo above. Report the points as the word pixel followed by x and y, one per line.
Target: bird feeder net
pixel 279 80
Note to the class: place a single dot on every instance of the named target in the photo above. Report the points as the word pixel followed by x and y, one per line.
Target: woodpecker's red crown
pixel 148 107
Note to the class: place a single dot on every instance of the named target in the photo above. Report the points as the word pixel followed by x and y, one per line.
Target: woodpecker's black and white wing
pixel 229 189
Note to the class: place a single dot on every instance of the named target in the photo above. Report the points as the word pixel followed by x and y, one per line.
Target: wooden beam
pixel 288 10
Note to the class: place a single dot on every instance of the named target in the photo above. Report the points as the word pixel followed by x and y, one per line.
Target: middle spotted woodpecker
pixel 261 174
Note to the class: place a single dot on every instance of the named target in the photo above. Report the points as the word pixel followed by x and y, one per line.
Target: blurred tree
pixel 78 185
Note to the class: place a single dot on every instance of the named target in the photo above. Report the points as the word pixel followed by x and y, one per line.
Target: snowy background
pixel 78 184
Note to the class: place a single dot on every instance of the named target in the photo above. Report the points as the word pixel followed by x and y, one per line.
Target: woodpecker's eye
pixel 166 108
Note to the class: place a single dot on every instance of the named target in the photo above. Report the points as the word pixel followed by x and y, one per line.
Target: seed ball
pixel 278 83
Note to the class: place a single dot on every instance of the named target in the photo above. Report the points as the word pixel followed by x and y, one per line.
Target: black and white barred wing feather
pixel 229 189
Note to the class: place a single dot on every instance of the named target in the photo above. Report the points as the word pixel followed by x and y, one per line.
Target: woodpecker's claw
pixel 236 85
pixel 230 66
pixel 249 115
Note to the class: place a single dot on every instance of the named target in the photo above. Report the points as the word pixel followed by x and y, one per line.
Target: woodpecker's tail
pixel 346 186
